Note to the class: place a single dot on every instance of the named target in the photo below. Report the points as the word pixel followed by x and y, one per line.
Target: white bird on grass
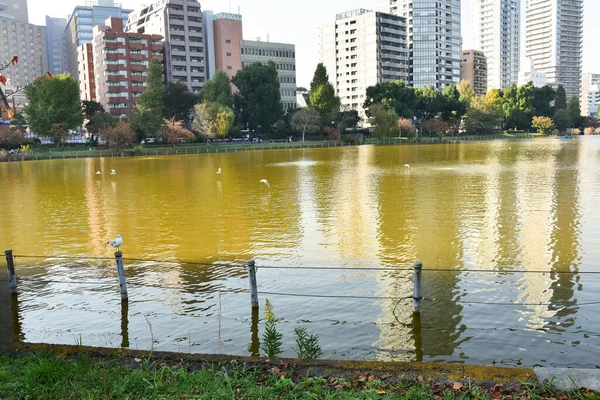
pixel 118 242
pixel 219 171
pixel 266 182
pixel 406 165
pixel 113 172
pixel 98 173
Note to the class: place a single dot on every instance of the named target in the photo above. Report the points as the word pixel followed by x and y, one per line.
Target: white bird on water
pixel 266 182
pixel 113 172
pixel 118 242
pixel 98 172
pixel 219 171
pixel 406 165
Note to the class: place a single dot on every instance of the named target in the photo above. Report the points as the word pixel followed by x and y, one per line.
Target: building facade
pixel 209 44
pixel 530 74
pixel 56 45
pixel 80 26
pixel 87 76
pixel 284 57
pixel 496 32
pixel 121 63
pixel 590 95
pixel 228 35
pixel 553 41
pixel 179 22
pixel 363 48
pixel 434 39
pixel 28 42
pixel 14 9
pixel 474 70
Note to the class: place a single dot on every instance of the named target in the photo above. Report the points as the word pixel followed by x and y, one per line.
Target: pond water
pixel 469 211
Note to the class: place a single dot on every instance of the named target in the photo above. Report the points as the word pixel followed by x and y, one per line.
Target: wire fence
pixel 229 265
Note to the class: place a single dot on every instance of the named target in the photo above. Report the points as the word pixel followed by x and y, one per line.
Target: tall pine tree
pixel 149 117
pixel 560 100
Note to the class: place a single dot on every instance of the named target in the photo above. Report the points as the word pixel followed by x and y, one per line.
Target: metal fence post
pixel 10 266
pixel 253 287
pixel 418 267
pixel 121 273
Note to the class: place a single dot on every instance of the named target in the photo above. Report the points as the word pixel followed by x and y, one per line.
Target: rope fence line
pixel 324 268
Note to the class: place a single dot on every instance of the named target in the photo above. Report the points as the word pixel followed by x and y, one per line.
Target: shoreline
pixel 64 154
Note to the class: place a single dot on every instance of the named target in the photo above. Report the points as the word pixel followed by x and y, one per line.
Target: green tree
pixel 467 94
pixel 394 95
pixel 119 136
pixel 574 112
pixel 218 90
pixel 320 77
pixel 429 102
pixel 485 114
pixel 179 102
pixel 53 101
pixel 560 99
pixel 258 101
pixel 213 120
pixel 325 102
pixel 99 122
pixel 347 120
pixel 562 120
pixel 541 100
pixel 91 108
pixel 452 106
pixel 384 121
pixel 149 117
pixel 306 120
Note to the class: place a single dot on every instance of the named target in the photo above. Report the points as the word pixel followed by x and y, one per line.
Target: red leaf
pixel 3 80
pixel 49 74
pixel 14 60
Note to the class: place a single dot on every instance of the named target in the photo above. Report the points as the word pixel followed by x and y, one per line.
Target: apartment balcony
pixel 137 45
pixel 138 57
pixel 178 53
pixel 195 73
pixel 194 12
pixel 114 56
pixel 138 78
pixel 176 11
pixel 138 89
pixel 156 47
pixel 196 63
pixel 115 89
pixel 117 100
pixel 138 68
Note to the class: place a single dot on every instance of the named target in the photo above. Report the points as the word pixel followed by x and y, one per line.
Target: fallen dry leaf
pixel 274 370
pixel 386 376
pixel 137 360
pixel 420 379
pixel 497 395
pixel 371 378
pixel 362 378
pixel 381 392
pixel 339 386
pixel 457 386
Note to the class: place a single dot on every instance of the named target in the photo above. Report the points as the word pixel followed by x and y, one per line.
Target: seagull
pixel 98 173
pixel 266 182
pixel 219 171
pixel 113 172
pixel 118 242
pixel 407 165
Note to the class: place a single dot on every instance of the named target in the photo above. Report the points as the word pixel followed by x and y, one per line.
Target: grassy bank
pixel 44 376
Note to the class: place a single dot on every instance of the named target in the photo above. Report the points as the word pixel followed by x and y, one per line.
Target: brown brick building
pixel 85 66
pixel 228 35
pixel 473 68
pixel 121 62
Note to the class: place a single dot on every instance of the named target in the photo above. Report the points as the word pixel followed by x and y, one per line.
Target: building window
pixel 229 67
pixel 228 54
pixel 227 41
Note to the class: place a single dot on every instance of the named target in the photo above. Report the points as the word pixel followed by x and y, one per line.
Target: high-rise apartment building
pixel 496 27
pixel 284 57
pixel 179 22
pixel 81 22
pixel 434 39
pixel 553 41
pixel 209 44
pixel 28 42
pixel 14 9
pixel 121 62
pixel 474 70
pixel 590 94
pixel 363 48
pixel 56 45
pixel 228 35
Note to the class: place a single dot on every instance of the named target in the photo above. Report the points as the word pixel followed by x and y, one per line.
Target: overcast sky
pixel 298 22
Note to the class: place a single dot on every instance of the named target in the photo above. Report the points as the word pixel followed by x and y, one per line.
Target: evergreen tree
pixel 218 90
pixel 560 100
pixel 320 77
pixel 149 117
pixel 574 112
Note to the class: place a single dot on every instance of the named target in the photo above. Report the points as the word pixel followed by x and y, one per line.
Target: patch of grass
pixel 46 376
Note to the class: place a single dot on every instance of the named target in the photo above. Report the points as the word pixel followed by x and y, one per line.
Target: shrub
pixel 406 127
pixel 543 124
pixel 307 346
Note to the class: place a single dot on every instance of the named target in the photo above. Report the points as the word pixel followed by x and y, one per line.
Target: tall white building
pixel 553 41
pixel 179 22
pixel 496 27
pixel 590 95
pixel 434 39
pixel 363 48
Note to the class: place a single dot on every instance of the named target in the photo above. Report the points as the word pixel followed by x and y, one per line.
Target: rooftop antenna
pixel 268 38
pixel 239 12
